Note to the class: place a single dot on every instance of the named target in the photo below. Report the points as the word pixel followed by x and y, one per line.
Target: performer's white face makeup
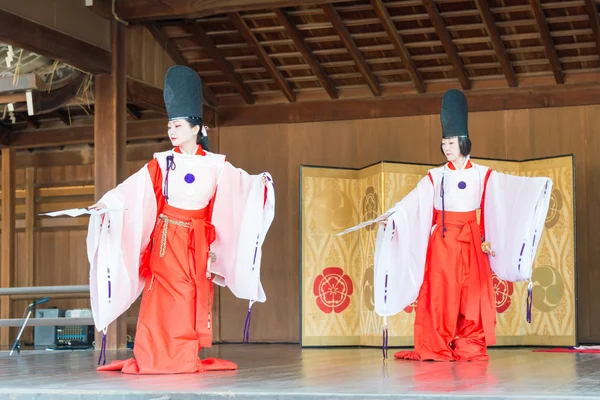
pixel 451 149
pixel 181 134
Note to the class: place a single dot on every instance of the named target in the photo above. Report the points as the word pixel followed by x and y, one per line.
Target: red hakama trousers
pixel 455 315
pixel 175 318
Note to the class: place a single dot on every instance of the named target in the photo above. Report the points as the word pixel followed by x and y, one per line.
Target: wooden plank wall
pixel 281 149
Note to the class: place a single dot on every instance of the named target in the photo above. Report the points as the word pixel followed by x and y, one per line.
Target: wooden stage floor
pixel 289 372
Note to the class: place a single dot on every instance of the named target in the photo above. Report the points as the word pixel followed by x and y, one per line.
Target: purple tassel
pixel 103 350
pixel 170 166
pixel 443 210
pixel 529 301
pixel 247 327
pixel 384 345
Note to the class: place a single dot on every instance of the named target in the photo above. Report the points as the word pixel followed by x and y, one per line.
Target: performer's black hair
pixel 464 144
pixel 201 139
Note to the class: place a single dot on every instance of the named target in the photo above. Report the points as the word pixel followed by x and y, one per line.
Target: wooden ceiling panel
pixel 577 65
pixel 174 30
pixel 542 67
pixel 360 48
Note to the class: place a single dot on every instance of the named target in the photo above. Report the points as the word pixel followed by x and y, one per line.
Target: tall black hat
pixel 183 93
pixel 454 114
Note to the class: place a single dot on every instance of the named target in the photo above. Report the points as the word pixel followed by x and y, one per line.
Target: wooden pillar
pixel 7 260
pixel 25 272
pixel 110 114
pixel 30 226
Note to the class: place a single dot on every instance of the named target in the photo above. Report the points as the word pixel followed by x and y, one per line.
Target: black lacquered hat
pixel 183 93
pixel 454 114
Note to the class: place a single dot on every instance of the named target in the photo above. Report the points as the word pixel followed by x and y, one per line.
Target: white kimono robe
pixel 243 211
pixel 514 210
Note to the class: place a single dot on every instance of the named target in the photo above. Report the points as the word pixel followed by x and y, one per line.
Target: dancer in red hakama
pixel 431 248
pixel 186 220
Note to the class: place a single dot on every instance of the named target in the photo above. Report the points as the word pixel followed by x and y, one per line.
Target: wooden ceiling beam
pixel 53 44
pixel 63 116
pixel 13 98
pixel 25 82
pixel 134 112
pixel 262 55
pixel 44 102
pixel 410 105
pixel 155 10
pixel 547 42
pixel 497 44
pixel 592 12
pixel 398 43
pixel 32 122
pixel 307 54
pixel 334 18
pixel 85 156
pixel 5 135
pixel 168 45
pixel 225 66
pixel 447 44
pixel 43 138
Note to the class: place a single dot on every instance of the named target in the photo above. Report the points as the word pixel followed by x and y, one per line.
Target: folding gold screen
pixel 337 272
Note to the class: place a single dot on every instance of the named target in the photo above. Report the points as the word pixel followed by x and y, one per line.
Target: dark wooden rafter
pixel 153 10
pixel 5 139
pixel 592 12
pixel 492 29
pixel 134 112
pixel 398 43
pixel 224 65
pixel 5 135
pixel 262 55
pixel 63 116
pixel 53 44
pixel 307 54
pixel 32 122
pixel 28 81
pixel 44 102
pixel 145 96
pixel 523 97
pixel 43 158
pixel 410 105
pixel 334 18
pixel 43 138
pixel 546 40
pixel 168 45
pixel 447 44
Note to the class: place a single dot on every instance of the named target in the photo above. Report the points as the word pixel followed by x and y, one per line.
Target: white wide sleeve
pixel 241 218
pixel 515 209
pixel 401 250
pixel 115 243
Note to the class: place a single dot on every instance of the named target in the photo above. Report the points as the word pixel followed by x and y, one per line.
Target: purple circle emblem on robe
pixel 189 178
pixel 462 185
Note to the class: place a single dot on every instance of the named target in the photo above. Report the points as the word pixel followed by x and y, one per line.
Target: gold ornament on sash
pixel 486 247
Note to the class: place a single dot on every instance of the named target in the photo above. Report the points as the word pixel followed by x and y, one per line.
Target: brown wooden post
pixel 7 260
pixel 26 275
pixel 110 114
